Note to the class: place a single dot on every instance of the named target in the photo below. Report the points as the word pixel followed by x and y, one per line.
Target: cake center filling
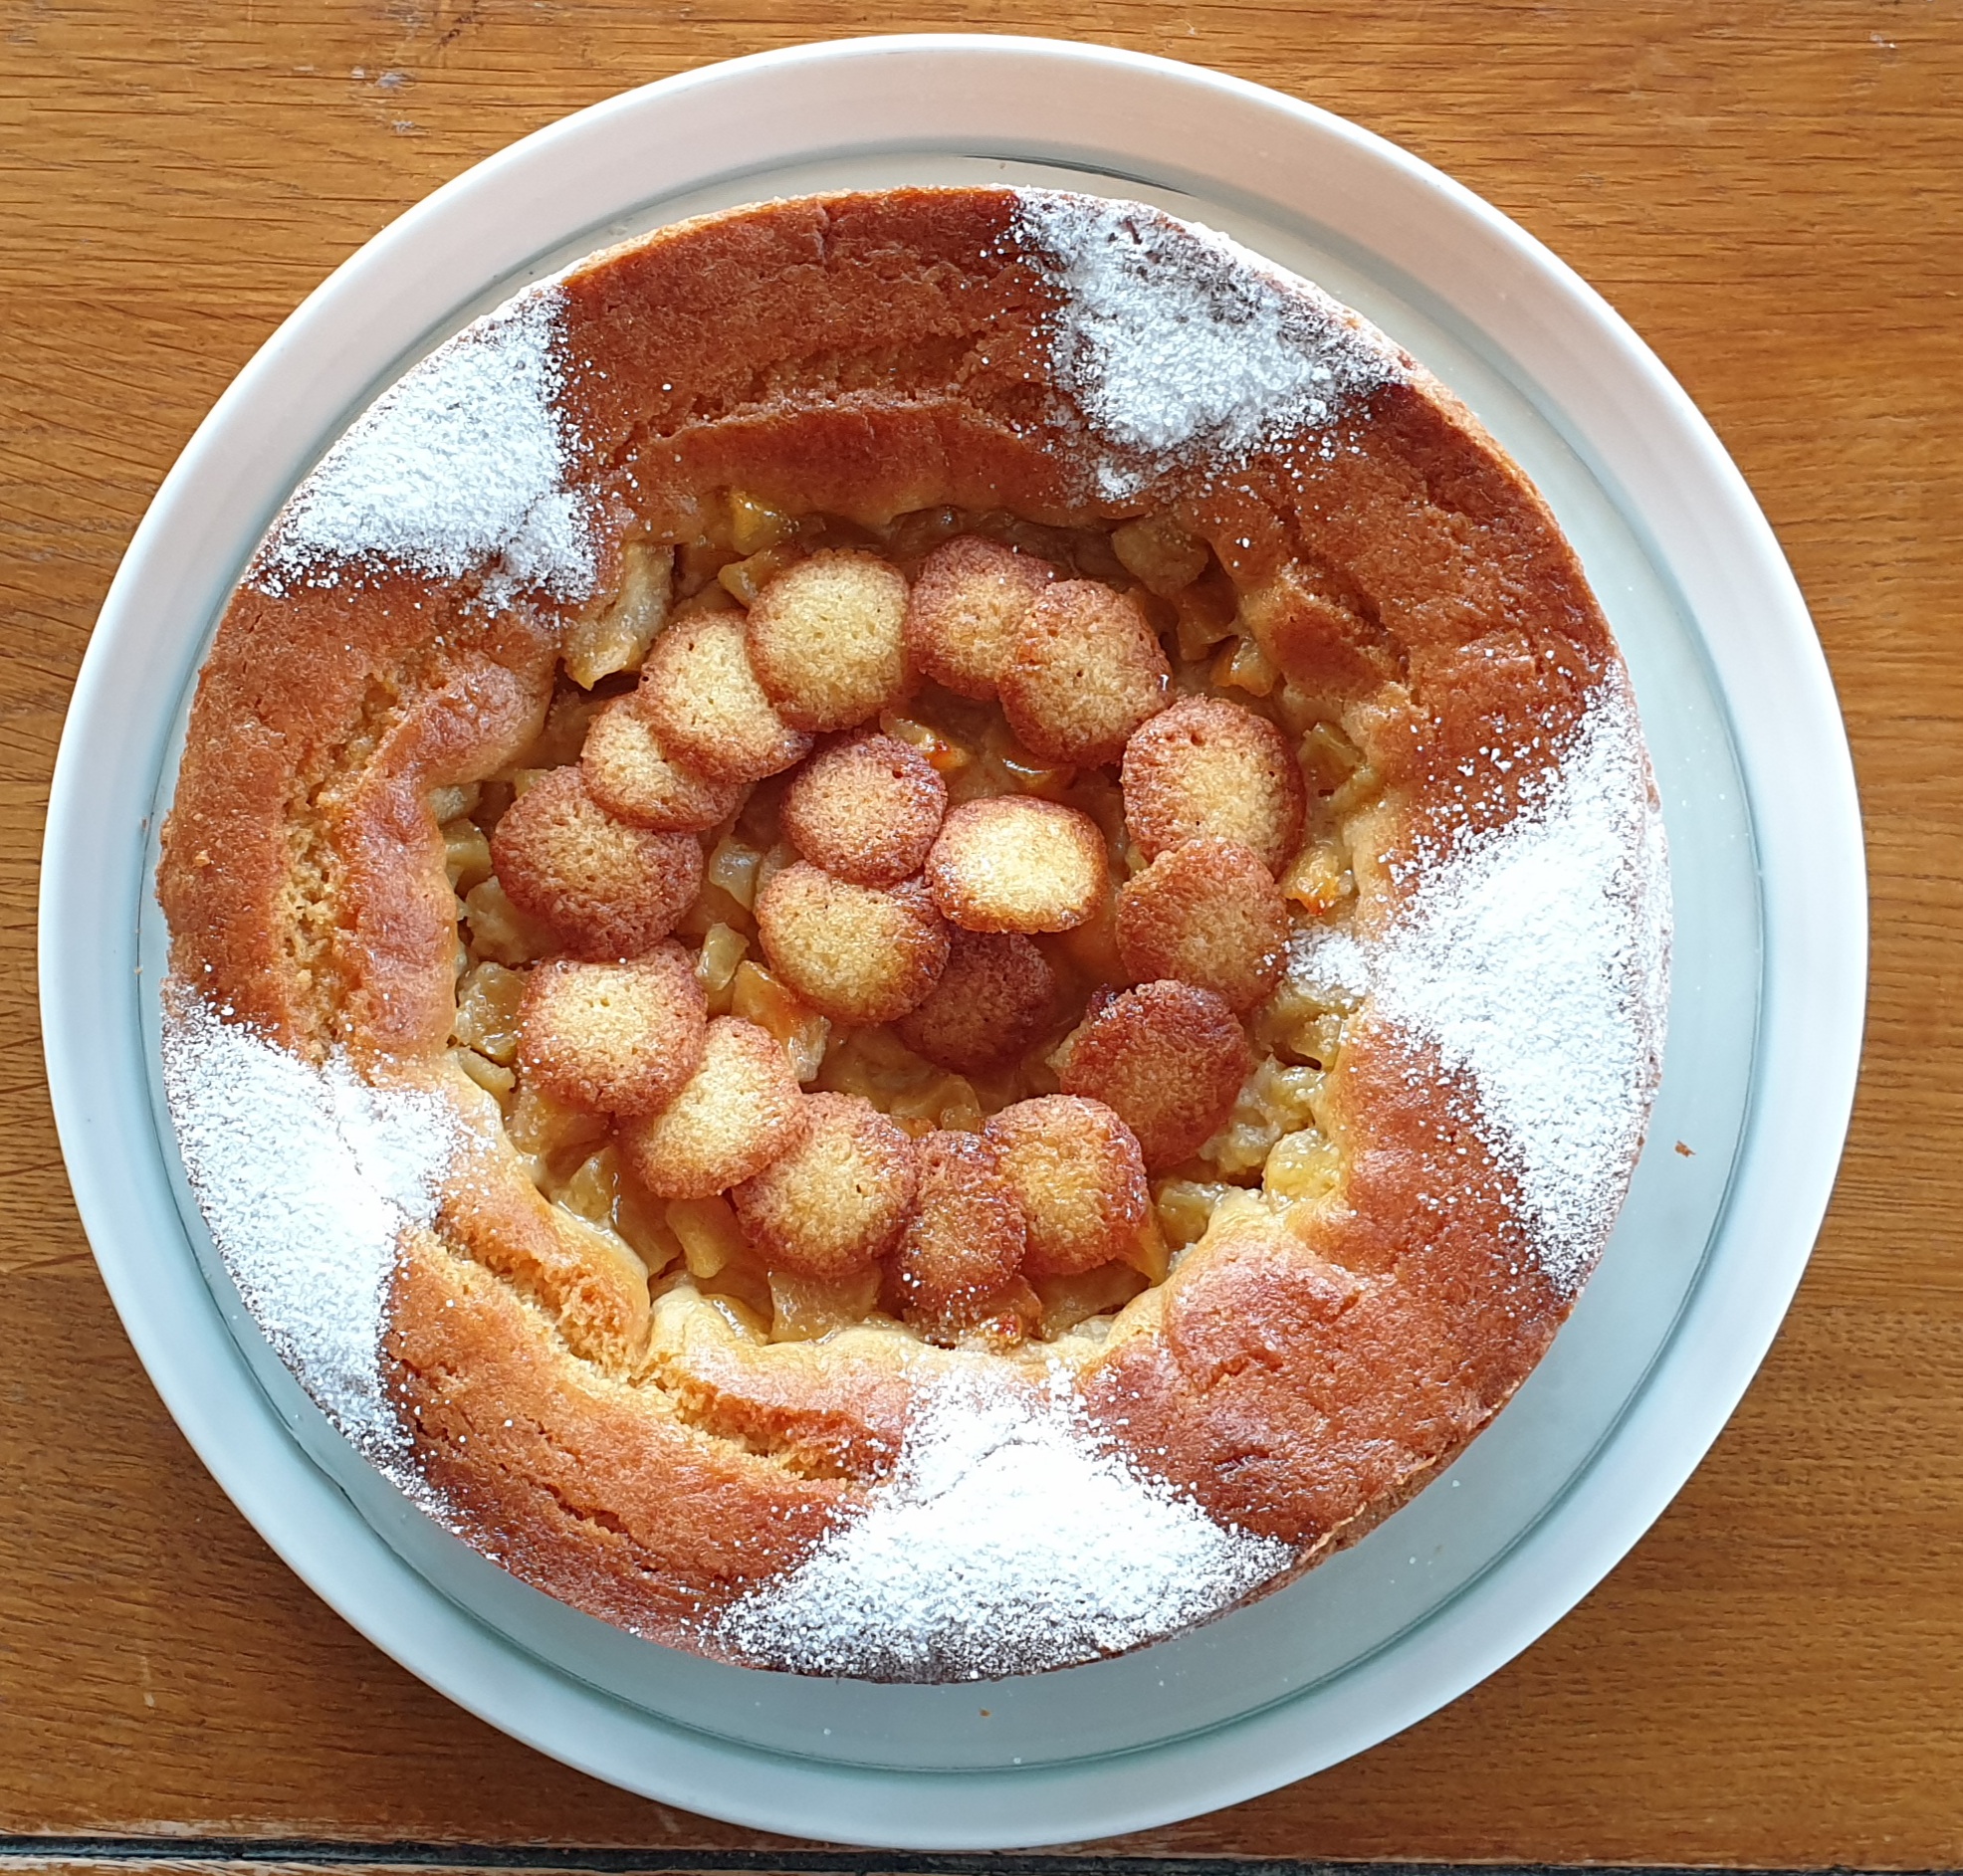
pixel 1021 830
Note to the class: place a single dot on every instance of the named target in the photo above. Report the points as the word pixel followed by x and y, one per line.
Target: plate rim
pixel 1813 981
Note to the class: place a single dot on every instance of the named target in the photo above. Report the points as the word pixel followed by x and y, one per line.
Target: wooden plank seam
pixel 304 1853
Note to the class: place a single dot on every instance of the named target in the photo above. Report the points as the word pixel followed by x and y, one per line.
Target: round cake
pixel 914 935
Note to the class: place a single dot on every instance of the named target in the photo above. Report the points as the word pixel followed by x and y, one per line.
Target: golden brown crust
pixel 595 1296
pixel 826 639
pixel 738 1111
pixel 1086 671
pixel 614 1038
pixel 966 1238
pixel 1205 767
pixel 1168 1059
pixel 1408 1338
pixel 838 1200
pixel 991 1002
pixel 703 697
pixel 631 776
pixel 1014 863
pixel 311 896
pixel 559 1468
pixel 859 954
pixel 968 608
pixel 1318 639
pixel 608 890
pixel 1076 1170
pixel 866 811
pixel 1208 913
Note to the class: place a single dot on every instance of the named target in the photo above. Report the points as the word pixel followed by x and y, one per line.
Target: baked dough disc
pixel 1472 995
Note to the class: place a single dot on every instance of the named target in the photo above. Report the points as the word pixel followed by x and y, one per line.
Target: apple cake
pixel 913 934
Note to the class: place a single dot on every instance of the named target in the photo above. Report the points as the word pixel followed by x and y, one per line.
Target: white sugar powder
pixel 1535 958
pixel 1008 1541
pixel 1326 962
pixel 307 1178
pixel 459 469
pixel 1181 347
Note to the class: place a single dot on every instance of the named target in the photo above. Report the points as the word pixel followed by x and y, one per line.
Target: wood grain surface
pixel 1771 192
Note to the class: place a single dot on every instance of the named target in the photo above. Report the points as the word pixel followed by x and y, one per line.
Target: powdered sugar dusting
pixel 1008 1541
pixel 1535 958
pixel 307 1178
pixel 1327 962
pixel 460 469
pixel 1182 346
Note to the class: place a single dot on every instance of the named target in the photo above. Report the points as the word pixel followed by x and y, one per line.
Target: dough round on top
pixel 1016 862
pixel 866 811
pixel 1168 1059
pixel 837 1201
pixel 741 1110
pixel 614 1038
pixel 991 1002
pixel 703 697
pixel 1087 670
pixel 828 639
pixel 1208 913
pixel 968 608
pixel 1077 1172
pixel 608 890
pixel 636 780
pixel 859 954
pixel 967 1235
pixel 1206 766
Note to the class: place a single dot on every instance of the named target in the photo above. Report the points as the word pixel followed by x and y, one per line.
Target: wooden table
pixel 1771 193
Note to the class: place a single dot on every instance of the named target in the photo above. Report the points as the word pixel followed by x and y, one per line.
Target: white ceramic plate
pixel 1765 1027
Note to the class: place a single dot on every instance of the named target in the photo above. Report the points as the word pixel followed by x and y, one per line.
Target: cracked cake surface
pixel 913 934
